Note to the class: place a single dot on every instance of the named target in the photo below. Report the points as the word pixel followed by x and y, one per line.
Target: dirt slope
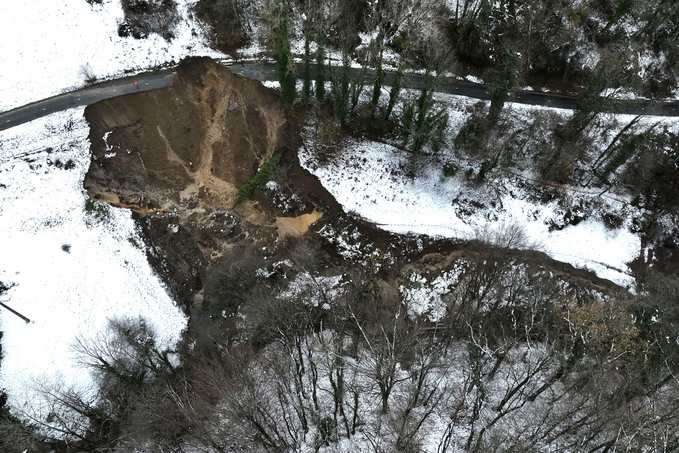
pixel 191 144
pixel 177 156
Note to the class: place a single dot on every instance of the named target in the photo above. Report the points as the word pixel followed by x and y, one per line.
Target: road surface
pixel 85 96
pixel 266 71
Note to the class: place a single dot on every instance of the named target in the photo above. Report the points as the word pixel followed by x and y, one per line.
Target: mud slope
pixel 177 156
pixel 190 144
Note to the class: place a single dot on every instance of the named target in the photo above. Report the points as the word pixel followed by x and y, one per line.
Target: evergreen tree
pixel 421 123
pixel 394 93
pixel 377 86
pixel 285 65
pixel 506 81
pixel 340 89
pixel 320 69
pixel 306 75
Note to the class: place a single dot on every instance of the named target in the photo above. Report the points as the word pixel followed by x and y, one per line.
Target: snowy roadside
pixel 365 179
pixel 387 186
pixel 47 45
pixel 73 264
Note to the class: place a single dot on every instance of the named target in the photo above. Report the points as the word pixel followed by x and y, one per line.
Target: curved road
pixel 266 71
pixel 85 96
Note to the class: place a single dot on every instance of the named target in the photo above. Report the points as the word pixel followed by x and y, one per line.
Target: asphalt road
pixel 266 71
pixel 85 96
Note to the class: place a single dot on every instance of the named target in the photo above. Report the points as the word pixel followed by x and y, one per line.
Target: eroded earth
pixel 177 157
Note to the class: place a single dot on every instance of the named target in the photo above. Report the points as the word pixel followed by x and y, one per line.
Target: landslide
pixel 177 156
pixel 191 144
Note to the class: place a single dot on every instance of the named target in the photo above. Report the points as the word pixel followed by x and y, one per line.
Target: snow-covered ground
pixel 361 179
pixel 72 269
pixel 375 180
pixel 47 43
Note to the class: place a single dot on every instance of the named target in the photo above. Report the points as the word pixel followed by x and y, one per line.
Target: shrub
pixel 96 209
pixel 472 134
pixel 143 17
pixel 327 132
pixel 258 180
pixel 225 20
pixel 134 243
pixel 612 221
pixel 450 170
pixel 422 122
pixel 87 74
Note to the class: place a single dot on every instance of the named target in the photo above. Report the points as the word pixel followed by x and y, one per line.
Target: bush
pixel 612 221
pixel 327 132
pixel 653 178
pixel 96 209
pixel 472 134
pixel 450 170
pixel 225 19
pixel 87 74
pixel 258 180
pixel 143 17
pixel 423 123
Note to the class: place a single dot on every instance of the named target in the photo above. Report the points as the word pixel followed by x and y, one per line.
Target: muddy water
pixel 296 226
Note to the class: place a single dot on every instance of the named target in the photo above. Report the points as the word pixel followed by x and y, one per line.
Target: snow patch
pixel 49 43
pixel 74 264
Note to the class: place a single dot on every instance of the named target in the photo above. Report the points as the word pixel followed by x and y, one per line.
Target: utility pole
pixel 16 313
pixel 3 289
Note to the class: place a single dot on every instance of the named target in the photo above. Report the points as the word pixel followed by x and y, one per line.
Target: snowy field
pixel 47 43
pixel 371 180
pixel 72 269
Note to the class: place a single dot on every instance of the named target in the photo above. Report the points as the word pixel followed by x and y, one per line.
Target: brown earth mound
pixel 177 157
pixel 192 144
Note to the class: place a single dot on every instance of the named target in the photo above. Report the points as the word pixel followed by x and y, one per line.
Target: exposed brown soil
pixel 192 144
pixel 296 226
pixel 177 157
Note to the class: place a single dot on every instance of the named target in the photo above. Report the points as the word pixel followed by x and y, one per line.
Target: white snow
pixel 473 79
pixel 46 43
pixel 71 270
pixel 423 297
pixel 315 289
pixel 368 179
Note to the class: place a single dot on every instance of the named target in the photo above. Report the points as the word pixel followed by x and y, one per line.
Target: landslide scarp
pixel 192 144
pixel 177 156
